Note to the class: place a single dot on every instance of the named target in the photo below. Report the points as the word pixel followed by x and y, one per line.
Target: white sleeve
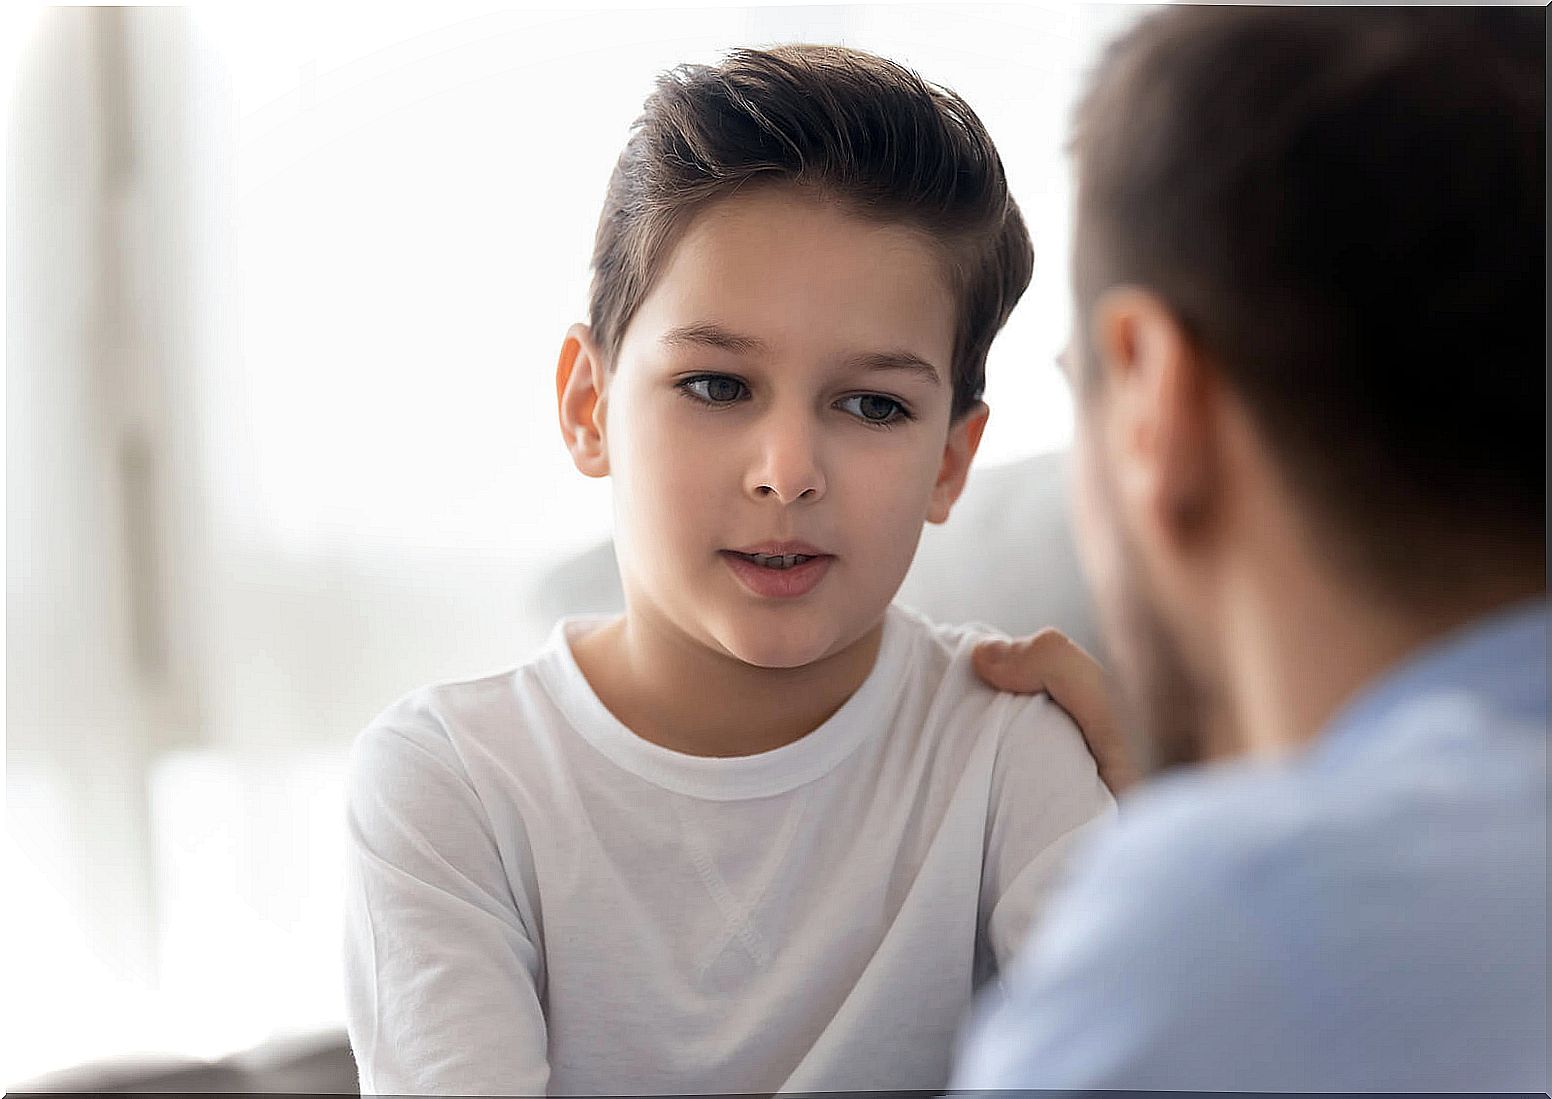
pixel 1045 792
pixel 442 976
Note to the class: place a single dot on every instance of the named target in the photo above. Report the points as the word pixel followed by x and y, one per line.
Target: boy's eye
pixel 714 388
pixel 874 408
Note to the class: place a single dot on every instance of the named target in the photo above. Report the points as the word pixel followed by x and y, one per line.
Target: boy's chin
pixel 790 645
pixel 766 655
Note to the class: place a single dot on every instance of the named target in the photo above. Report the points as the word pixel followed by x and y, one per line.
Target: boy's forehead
pixel 778 268
pixel 800 218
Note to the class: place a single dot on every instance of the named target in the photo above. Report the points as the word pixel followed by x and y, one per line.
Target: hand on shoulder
pixel 1052 662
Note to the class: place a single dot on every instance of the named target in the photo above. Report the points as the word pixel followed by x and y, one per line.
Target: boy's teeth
pixel 777 560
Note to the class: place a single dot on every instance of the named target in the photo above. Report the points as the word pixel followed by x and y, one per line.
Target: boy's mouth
pixel 776 560
pixel 778 556
pixel 784 575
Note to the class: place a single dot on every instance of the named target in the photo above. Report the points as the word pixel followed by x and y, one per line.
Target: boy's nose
pixel 786 497
pixel 787 469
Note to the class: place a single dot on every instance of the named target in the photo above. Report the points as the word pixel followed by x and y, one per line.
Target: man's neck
pixel 673 690
pixel 1298 654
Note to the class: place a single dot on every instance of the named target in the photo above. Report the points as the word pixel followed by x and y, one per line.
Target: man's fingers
pixel 1050 661
pixel 1024 666
pixel 993 661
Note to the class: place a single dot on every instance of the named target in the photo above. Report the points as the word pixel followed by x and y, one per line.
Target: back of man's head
pixel 1346 211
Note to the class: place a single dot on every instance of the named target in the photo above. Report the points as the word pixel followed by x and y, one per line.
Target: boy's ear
pixel 579 393
pixel 964 439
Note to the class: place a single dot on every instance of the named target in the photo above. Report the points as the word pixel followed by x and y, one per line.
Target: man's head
pixel 1308 275
pixel 803 257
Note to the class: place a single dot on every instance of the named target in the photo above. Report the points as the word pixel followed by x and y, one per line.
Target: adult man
pixel 1309 367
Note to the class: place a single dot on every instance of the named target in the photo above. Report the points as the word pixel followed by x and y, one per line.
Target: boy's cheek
pixel 652 447
pixel 899 484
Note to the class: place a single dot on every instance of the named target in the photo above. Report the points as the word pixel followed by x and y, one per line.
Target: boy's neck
pixel 681 695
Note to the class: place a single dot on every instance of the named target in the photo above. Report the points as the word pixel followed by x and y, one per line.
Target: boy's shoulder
pixel 962 703
pixel 942 648
pixel 428 733
pixel 449 719
pixel 948 635
pixel 1033 757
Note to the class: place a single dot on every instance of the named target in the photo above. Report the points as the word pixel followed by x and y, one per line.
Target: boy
pixel 765 832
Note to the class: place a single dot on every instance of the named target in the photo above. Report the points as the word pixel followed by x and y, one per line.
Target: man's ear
pixel 964 439
pixel 1157 418
pixel 579 395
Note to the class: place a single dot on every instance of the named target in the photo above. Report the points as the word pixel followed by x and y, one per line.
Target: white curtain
pixel 107 543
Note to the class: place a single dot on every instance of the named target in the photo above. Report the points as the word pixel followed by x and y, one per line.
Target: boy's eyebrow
pixel 896 360
pixel 713 335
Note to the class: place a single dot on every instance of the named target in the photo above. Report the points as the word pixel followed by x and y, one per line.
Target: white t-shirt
pixel 542 901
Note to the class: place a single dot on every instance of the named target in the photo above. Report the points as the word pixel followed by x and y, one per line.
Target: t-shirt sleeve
pixel 1045 797
pixel 442 975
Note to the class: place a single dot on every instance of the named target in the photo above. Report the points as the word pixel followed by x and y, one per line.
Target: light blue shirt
pixel 1368 915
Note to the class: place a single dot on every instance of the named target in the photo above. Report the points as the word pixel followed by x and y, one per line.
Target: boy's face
pixel 784 388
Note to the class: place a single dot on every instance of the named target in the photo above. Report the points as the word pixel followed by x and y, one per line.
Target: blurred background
pixel 284 290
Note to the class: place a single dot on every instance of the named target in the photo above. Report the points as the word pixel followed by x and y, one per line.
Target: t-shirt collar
pixel 719 778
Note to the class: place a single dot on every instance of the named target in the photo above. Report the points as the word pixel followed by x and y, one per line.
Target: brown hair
pixel 1345 210
pixel 868 132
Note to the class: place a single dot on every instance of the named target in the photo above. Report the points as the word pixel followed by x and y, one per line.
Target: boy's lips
pixel 804 568
pixel 780 549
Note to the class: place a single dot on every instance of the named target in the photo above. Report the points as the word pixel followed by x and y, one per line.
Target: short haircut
pixel 1345 209
pixel 848 125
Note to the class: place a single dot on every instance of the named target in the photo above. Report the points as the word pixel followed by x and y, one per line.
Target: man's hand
pixel 1052 662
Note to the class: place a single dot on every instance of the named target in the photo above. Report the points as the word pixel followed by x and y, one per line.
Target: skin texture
pixel 716 444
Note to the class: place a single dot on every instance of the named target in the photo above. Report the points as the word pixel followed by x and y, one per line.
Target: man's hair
pixel 847 125
pixel 1345 209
